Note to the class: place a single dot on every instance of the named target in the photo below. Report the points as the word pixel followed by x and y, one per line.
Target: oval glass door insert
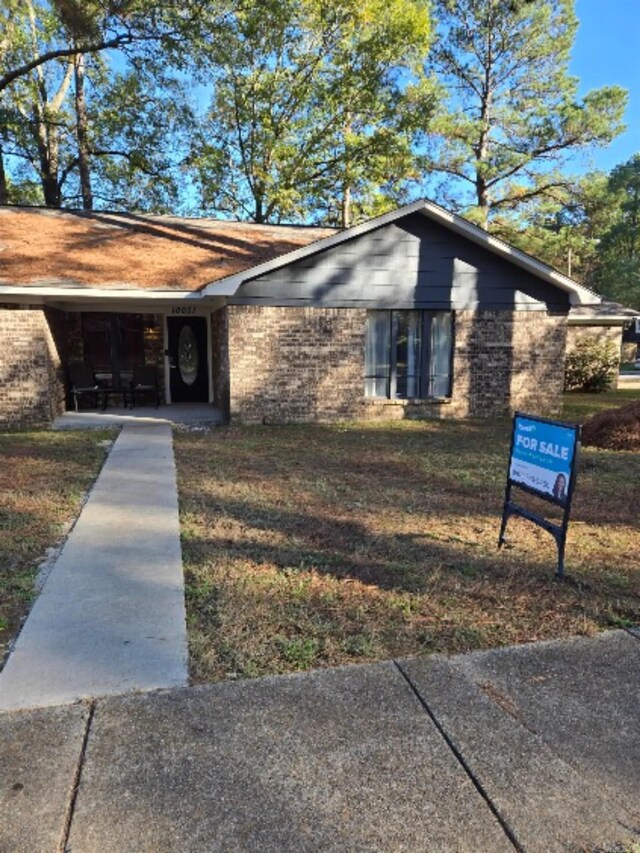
pixel 187 355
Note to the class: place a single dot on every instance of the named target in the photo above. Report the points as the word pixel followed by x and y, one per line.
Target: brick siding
pixel 297 364
pixel 220 360
pixel 31 382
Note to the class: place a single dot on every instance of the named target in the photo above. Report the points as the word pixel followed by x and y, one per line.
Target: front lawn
pixel 309 546
pixel 43 477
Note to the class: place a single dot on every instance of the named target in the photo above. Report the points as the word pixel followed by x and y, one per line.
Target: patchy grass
pixel 310 546
pixel 578 406
pixel 43 477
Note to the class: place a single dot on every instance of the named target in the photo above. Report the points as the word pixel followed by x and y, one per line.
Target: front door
pixel 188 362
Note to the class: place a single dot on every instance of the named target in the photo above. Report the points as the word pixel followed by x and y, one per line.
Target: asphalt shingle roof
pixel 43 247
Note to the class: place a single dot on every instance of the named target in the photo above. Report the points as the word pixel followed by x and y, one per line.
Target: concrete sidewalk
pixel 111 616
pixel 532 748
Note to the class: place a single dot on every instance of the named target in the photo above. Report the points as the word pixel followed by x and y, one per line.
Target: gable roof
pixel 91 252
pixel 578 293
pixel 42 247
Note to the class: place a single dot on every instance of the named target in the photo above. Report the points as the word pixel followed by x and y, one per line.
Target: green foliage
pixel 617 273
pixel 135 116
pixel 564 229
pixel 592 366
pixel 314 109
pixel 512 113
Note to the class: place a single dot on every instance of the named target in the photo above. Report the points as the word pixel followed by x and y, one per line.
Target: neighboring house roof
pixel 82 249
pixel 605 313
pixel 95 252
pixel 578 293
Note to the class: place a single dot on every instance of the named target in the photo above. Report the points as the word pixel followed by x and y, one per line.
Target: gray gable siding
pixel 411 263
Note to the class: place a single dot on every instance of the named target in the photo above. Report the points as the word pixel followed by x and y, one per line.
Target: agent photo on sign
pixel 560 488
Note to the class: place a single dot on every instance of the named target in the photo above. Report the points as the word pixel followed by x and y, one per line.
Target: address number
pixel 184 309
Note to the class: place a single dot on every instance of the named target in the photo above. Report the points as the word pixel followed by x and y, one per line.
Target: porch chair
pixel 84 384
pixel 145 381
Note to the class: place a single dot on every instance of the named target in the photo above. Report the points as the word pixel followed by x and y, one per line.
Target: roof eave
pixel 599 321
pixel 81 294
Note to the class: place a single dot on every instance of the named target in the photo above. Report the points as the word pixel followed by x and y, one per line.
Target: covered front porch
pixel 111 348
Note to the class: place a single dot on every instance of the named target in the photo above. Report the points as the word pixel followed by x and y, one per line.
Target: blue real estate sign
pixel 542 457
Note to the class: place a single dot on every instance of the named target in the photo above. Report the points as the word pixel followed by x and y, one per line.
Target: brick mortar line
pixel 508 831
pixel 77 779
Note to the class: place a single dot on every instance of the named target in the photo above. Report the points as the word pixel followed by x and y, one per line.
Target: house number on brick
pixel 184 309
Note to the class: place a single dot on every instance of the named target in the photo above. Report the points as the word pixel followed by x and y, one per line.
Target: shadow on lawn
pixel 444 483
pixel 415 563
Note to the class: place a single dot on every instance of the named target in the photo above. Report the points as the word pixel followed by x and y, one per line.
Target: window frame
pixel 426 374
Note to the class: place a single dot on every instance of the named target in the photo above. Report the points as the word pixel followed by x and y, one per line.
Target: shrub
pixel 614 429
pixel 592 366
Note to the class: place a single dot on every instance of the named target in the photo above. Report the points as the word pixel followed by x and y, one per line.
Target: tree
pixel 617 272
pixel 95 26
pixel 512 115
pixel 563 229
pixel 74 122
pixel 309 115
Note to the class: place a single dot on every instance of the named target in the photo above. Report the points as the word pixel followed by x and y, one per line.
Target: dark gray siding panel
pixel 413 262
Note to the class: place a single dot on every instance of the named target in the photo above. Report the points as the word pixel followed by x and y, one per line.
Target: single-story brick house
pixel 416 313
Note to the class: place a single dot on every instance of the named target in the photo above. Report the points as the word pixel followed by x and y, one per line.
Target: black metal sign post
pixel 543 462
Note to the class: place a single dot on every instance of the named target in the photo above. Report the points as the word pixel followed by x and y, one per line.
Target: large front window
pixel 408 354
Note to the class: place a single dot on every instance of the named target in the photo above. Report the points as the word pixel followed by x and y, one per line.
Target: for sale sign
pixel 542 461
pixel 542 457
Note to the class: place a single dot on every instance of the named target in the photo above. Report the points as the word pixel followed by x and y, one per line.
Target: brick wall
pixel 220 360
pixel 297 364
pixel 506 361
pixel 31 383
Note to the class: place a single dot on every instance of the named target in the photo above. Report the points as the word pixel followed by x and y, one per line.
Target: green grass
pixel 43 478
pixel 308 546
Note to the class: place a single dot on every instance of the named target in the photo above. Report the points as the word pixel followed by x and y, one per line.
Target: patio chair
pixel 84 384
pixel 145 381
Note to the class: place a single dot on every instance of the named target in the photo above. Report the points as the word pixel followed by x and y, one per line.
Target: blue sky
pixel 607 52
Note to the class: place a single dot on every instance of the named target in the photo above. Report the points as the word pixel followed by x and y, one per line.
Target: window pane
pixel 408 353
pixel 131 343
pixel 440 356
pixel 96 341
pixel 377 349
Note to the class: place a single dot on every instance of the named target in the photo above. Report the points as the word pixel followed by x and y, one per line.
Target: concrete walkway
pixel 532 748
pixel 111 615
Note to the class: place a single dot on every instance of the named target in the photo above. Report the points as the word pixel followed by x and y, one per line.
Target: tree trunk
pixel 4 189
pixel 346 207
pixel 482 150
pixel 345 213
pixel 47 142
pixel 82 127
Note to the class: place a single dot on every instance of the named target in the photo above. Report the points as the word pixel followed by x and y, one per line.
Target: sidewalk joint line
pixel 77 778
pixel 463 763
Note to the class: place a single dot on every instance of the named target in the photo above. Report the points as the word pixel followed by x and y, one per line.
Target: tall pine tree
pixel 512 115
